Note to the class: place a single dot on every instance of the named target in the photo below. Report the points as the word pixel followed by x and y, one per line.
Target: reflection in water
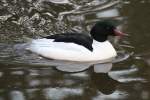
pixel 108 13
pixel 117 95
pixel 108 85
pixel 102 67
pixel 34 82
pixel 16 95
pixel 59 1
pixel 21 82
pixel 61 93
pixel 121 75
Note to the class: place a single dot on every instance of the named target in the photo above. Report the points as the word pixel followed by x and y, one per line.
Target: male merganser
pixel 78 46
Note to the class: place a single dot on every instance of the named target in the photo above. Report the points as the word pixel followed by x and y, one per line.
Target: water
pixel 26 76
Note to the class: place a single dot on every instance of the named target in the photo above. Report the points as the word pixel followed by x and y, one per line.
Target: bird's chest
pixel 103 50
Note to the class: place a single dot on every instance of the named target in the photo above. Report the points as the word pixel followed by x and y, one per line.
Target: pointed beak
pixel 119 33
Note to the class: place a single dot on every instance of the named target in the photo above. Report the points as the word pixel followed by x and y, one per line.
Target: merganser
pixel 78 46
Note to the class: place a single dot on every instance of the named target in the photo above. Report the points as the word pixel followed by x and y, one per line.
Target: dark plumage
pixel 77 38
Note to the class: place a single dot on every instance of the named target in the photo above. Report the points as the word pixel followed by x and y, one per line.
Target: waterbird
pixel 79 46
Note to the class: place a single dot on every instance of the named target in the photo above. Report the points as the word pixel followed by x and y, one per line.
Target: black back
pixel 77 38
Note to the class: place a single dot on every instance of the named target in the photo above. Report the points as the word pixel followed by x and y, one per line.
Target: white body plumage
pixel 71 51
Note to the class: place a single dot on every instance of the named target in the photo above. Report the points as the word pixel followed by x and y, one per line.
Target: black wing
pixel 80 39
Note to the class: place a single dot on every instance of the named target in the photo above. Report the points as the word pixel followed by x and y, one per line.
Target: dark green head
pixel 102 29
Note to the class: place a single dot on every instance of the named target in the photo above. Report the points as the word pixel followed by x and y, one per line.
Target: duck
pixel 79 47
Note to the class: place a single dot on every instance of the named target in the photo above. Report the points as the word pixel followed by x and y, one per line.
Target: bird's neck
pixel 100 38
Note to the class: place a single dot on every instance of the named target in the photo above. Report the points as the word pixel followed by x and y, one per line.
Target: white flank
pixel 71 51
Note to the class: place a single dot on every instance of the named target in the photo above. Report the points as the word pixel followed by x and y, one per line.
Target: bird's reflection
pixel 82 66
pixel 103 82
pixel 56 84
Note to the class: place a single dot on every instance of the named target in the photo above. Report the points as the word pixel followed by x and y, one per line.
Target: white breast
pixel 71 51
